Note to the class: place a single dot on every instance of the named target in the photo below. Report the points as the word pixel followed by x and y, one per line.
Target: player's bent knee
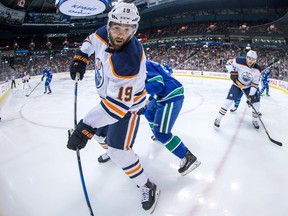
pixel 163 137
pixel 122 158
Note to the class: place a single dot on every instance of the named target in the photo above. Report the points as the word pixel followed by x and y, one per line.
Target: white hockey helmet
pixel 124 13
pixel 251 58
pixel 252 54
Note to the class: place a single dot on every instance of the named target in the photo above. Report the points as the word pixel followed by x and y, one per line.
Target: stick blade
pixel 276 142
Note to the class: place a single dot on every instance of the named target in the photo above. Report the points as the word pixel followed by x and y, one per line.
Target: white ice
pixel 242 172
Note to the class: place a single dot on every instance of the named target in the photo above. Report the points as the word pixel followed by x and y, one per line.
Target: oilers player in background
pixel 245 74
pixel 120 81
pixel 265 82
pixel 164 105
pixel 48 74
pixel 238 99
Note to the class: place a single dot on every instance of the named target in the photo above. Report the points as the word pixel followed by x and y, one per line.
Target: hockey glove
pixel 80 136
pixel 234 76
pixel 142 110
pixel 78 64
pixel 249 100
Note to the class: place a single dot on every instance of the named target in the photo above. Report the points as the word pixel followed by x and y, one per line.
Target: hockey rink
pixel 242 172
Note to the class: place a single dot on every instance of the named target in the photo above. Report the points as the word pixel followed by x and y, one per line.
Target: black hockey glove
pixel 249 100
pixel 80 136
pixel 78 64
pixel 234 76
pixel 142 110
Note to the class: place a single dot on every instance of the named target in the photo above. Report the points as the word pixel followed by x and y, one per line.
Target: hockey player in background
pixel 265 82
pixel 238 99
pixel 48 74
pixel 25 80
pixel 245 74
pixel 164 105
pixel 13 81
pixel 120 81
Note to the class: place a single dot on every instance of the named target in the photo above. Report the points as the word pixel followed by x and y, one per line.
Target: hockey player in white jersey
pixel 120 74
pixel 245 74
pixel 25 80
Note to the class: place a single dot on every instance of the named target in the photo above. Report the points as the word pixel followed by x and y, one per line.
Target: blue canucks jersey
pixel 161 85
pixel 47 73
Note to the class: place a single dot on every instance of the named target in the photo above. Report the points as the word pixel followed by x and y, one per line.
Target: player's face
pixel 250 61
pixel 119 34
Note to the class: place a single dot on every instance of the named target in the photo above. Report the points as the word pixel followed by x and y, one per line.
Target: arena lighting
pixel 82 7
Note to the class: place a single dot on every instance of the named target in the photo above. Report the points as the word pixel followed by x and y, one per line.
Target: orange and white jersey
pixel 247 76
pixel 119 76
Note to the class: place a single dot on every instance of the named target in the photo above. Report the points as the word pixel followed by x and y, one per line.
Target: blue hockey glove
pixel 80 136
pixel 78 64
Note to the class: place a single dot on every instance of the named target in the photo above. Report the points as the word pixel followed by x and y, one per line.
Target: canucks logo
pixel 99 77
pixel 247 77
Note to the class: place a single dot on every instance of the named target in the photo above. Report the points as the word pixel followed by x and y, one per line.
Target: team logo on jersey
pixel 247 77
pixel 99 76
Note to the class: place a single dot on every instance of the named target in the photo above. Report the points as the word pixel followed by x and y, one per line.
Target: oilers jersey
pixel 247 76
pixel 162 84
pixel 119 76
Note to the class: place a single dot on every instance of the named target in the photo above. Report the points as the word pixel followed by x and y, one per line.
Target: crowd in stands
pixel 57 51
pixel 189 57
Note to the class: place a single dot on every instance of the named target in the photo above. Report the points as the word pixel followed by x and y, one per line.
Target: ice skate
pixel 49 92
pixel 150 195
pixel 103 158
pixel 267 94
pixel 233 109
pixel 188 163
pixel 255 124
pixel 44 92
pixel 217 122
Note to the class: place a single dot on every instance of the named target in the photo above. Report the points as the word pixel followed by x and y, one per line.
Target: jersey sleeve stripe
pixel 109 112
pixel 140 95
pixel 117 103
pixel 113 109
pixel 158 79
pixel 87 40
pixel 254 85
pixel 101 39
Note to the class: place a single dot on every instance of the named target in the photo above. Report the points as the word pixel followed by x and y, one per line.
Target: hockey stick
pixel 33 89
pixel 77 150
pixel 272 140
pixel 271 65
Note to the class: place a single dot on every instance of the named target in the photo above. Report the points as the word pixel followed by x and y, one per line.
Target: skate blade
pixel 191 168
pixel 157 194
